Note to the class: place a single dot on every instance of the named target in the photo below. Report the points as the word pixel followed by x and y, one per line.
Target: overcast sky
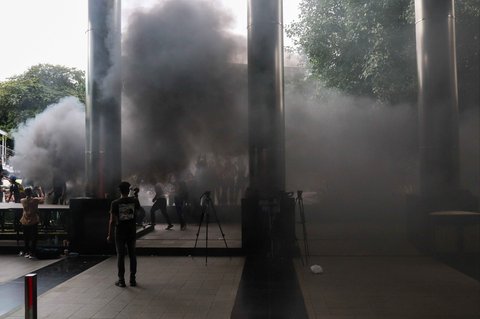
pixel 53 31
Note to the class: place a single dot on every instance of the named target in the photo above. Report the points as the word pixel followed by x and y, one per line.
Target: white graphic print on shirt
pixel 126 211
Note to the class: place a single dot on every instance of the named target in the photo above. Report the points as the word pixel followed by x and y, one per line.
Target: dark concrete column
pixel 268 220
pixel 438 97
pixel 103 124
pixel 266 97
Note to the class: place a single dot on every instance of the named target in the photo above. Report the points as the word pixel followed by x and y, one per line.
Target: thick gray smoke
pixel 183 97
pixel 53 143
pixel 359 155
pixel 182 94
pixel 349 150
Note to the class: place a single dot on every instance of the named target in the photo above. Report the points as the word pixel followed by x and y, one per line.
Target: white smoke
pixel 52 143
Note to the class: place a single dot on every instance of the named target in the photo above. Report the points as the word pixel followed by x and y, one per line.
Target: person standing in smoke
pixel 122 217
pixel 241 180
pixel 14 190
pixel 16 194
pixel 59 190
pixel 160 202
pixel 141 212
pixel 181 198
pixel 198 185
pixel 228 181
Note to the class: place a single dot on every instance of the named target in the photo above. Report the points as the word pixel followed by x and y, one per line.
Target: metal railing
pixel 55 223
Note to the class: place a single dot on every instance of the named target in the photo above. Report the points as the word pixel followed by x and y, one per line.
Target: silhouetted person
pixel 241 180
pixel 30 220
pixel 160 202
pixel 15 193
pixel 181 198
pixel 59 190
pixel 228 181
pixel 14 190
pixel 122 218
pixel 140 212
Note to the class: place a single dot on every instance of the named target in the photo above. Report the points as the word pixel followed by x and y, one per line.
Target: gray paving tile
pixel 387 287
pixel 163 290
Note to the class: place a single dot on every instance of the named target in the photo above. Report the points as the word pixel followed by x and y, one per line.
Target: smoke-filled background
pixel 357 154
pixel 184 97
pixel 352 152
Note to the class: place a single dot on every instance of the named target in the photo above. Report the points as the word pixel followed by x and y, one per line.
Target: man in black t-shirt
pixel 122 217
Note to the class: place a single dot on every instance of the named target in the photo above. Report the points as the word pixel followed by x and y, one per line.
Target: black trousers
pixel 30 233
pixel 125 240
pixel 160 203
pixel 179 208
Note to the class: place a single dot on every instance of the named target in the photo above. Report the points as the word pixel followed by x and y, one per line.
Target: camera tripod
pixel 299 203
pixel 206 205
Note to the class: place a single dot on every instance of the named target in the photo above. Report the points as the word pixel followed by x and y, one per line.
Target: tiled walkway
pixel 370 272
pixel 168 287
pixel 48 277
pixel 350 287
pixel 388 288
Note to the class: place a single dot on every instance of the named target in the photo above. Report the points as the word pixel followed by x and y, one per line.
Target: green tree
pixel 368 47
pixel 23 96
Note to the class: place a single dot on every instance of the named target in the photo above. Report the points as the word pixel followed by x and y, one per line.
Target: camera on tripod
pixel 205 199
pixel 207 207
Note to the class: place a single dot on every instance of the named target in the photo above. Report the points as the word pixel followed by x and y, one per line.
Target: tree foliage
pixel 23 96
pixel 368 47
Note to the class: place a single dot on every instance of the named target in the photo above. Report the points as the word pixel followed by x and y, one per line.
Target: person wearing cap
pixel 123 220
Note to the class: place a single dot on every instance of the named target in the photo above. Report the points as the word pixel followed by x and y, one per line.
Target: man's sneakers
pixel 169 227
pixel 121 283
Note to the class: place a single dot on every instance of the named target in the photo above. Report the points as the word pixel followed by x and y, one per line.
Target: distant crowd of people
pixel 15 190
pixel 225 178
pixel 29 219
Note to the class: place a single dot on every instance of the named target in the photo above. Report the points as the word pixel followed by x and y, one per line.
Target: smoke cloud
pixel 183 96
pixel 53 143
pixel 357 154
pixel 349 150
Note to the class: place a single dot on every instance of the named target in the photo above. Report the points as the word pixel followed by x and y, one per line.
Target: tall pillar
pixel 103 123
pixel 266 122
pixel 268 214
pixel 437 98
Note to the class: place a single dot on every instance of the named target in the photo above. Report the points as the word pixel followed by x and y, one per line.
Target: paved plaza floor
pixel 184 287
pixel 369 272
